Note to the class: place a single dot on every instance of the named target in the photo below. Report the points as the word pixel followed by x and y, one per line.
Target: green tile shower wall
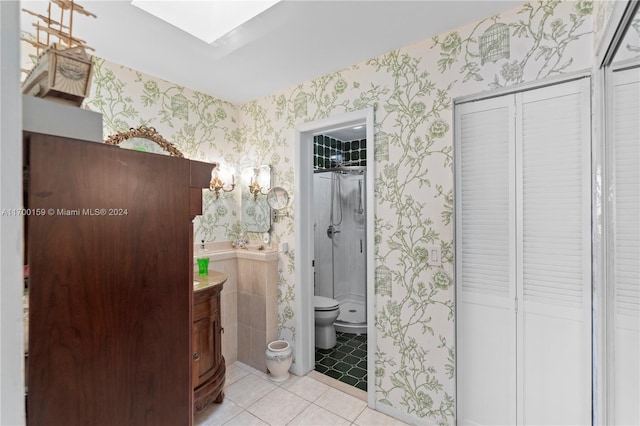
pixel 355 152
pixel 329 152
pixel 411 90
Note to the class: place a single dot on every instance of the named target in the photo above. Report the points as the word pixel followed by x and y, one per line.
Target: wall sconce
pixel 260 182
pixel 218 177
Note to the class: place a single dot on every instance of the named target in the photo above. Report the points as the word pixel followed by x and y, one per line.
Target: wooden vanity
pixel 208 363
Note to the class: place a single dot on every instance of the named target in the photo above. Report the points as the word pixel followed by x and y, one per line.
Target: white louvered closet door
pixel 625 281
pixel 523 258
pixel 554 254
pixel 485 265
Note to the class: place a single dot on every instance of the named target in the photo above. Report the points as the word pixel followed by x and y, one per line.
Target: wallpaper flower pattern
pixel 630 45
pixel 201 126
pixel 411 90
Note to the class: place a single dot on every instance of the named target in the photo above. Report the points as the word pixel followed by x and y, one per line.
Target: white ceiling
pixel 292 42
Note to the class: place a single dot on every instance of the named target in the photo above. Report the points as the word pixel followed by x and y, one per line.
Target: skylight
pixel 206 20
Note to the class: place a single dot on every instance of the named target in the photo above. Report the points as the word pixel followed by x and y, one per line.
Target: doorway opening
pixel 334 228
pixel 339 279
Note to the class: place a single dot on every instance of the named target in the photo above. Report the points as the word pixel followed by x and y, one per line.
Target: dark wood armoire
pixel 109 247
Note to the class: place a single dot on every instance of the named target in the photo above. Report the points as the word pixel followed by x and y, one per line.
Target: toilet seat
pixel 321 303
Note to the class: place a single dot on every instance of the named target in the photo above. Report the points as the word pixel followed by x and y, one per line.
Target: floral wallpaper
pixel 200 126
pixel 411 90
pixel 602 16
pixel 630 45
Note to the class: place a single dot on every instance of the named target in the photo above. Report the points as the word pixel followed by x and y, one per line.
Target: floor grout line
pixel 332 383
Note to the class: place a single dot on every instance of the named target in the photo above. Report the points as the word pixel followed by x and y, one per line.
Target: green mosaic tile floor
pixel 347 361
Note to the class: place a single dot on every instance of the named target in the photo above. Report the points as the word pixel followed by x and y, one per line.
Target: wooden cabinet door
pixel 203 350
pixel 216 325
pixel 110 295
pixel 207 354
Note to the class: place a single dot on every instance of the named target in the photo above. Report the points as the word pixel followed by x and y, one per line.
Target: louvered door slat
pixel 484 186
pixel 627 194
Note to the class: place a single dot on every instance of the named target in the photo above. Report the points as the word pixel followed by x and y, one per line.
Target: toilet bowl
pixel 326 312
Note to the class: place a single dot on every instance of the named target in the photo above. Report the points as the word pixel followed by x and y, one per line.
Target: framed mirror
pixel 145 139
pixel 278 198
pixel 256 213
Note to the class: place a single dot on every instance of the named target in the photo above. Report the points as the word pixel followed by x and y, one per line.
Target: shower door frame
pixel 345 271
pixel 304 350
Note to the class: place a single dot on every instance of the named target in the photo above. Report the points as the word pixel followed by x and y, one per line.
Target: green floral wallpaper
pixel 202 127
pixel 411 90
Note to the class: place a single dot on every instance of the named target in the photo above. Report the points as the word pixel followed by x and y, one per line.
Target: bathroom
pixel 411 92
pixel 340 279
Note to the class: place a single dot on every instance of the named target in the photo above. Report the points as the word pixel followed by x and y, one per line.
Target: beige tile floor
pixel 252 399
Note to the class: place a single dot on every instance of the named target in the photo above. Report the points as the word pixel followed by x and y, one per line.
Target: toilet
pixel 326 312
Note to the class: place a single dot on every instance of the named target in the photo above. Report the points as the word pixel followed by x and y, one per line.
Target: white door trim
pixel 303 228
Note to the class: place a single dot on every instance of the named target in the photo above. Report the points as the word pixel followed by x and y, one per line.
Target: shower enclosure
pixel 339 243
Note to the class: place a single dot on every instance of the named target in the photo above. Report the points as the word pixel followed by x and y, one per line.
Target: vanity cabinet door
pixel 202 350
pixel 208 362
pixel 216 326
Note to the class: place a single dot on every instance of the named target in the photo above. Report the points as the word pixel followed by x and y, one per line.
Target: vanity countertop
pixel 224 250
pixel 202 282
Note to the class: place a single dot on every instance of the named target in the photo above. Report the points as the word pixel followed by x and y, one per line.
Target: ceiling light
pixel 206 20
pixel 358 127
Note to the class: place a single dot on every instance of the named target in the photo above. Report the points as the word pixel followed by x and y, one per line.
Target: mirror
pixel 618 219
pixel 278 199
pixel 256 213
pixel 145 139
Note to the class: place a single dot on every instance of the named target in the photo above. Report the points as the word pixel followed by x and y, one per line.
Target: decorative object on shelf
pixel 145 139
pixel 260 181
pixel 278 359
pixel 63 69
pixel 240 242
pixel 218 176
pixel 278 199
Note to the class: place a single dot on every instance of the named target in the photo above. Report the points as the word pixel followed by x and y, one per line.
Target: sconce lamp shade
pixel 220 177
pixel 260 182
